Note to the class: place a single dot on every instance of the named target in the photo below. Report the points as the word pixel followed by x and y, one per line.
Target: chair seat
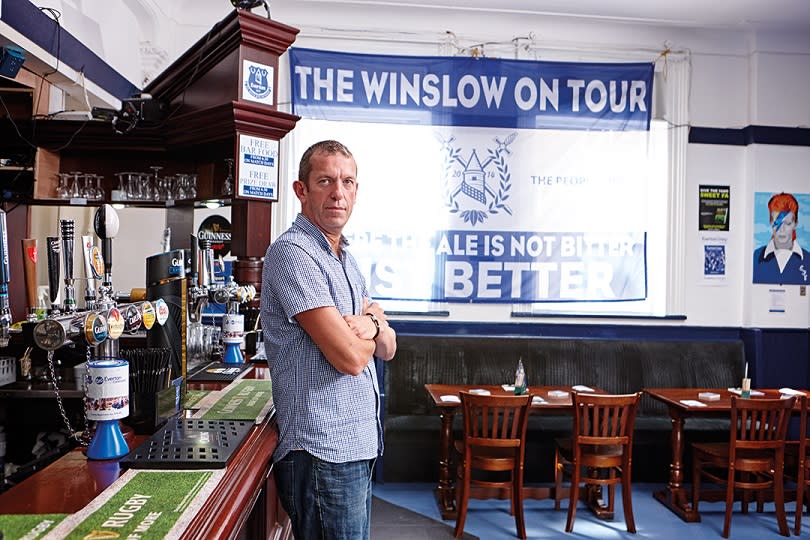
pixel 589 450
pixel 491 458
pixel 746 459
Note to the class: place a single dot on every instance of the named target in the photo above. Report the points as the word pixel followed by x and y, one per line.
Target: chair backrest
pixel 759 423
pixel 498 421
pixel 604 419
pixel 803 462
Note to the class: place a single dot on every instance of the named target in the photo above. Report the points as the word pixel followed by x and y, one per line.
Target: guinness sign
pixel 217 230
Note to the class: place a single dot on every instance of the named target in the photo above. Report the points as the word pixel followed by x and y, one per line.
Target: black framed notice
pixel 713 208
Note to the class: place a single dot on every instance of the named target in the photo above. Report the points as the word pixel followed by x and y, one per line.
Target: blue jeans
pixel 325 500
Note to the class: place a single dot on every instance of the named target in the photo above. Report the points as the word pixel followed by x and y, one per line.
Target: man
pixel 321 334
pixel 782 260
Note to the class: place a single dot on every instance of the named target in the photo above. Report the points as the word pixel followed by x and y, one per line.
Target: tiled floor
pixel 490 520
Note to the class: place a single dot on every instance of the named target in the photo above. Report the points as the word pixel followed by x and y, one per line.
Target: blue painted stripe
pixel 574 331
pixel 28 20
pixel 785 136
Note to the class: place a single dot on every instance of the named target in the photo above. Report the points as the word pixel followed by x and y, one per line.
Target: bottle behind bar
pixel 520 379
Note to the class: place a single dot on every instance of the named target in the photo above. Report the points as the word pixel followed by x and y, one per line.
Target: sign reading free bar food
pixel 257 168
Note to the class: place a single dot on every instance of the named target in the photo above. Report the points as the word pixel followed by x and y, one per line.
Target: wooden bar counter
pixel 243 505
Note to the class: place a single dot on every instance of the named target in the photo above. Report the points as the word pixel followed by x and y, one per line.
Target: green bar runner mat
pixel 246 399
pixel 27 526
pixel 141 504
pixel 193 397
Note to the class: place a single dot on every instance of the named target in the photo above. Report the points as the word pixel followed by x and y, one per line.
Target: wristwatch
pixel 376 322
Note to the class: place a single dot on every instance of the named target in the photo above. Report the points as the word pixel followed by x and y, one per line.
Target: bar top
pixel 71 482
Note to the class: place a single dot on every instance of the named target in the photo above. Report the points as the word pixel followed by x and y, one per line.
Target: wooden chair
pixel 493 447
pixel 752 459
pixel 797 461
pixel 601 443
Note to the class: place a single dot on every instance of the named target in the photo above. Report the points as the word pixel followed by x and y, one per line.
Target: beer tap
pixel 91 273
pixel 106 224
pixel 30 254
pixel 54 248
pixel 198 291
pixel 67 226
pixel 5 309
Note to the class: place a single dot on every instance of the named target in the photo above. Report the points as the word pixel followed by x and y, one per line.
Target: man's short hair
pixel 324 147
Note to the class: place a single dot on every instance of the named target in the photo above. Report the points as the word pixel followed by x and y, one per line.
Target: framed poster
pixel 713 212
pixel 256 168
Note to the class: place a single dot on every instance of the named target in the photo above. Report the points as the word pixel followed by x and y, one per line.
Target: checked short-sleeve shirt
pixel 331 415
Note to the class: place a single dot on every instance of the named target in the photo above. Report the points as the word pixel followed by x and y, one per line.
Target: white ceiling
pixel 728 14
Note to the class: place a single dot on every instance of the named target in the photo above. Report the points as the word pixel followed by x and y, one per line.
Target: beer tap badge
pixel 115 323
pixel 148 315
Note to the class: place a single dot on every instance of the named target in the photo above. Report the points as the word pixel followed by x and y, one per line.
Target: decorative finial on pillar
pixel 250 4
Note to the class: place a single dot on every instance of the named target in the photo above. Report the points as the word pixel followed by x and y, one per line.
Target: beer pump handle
pixel 67 228
pixel 54 248
pixel 5 278
pixel 106 226
pixel 195 260
pixel 29 249
pixel 90 275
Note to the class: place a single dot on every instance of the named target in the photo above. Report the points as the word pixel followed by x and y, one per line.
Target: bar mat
pixel 246 399
pixel 219 371
pixel 28 525
pixel 142 504
pixel 193 397
pixel 185 443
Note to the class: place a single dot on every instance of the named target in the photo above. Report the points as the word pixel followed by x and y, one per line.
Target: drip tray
pixel 219 371
pixel 185 443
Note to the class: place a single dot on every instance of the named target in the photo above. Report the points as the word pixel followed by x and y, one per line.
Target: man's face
pixel 328 196
pixel 782 226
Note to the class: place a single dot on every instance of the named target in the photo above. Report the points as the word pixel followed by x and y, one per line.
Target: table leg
pixel 674 496
pixel 445 491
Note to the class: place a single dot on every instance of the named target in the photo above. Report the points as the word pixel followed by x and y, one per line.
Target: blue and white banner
pixel 465 91
pixel 460 201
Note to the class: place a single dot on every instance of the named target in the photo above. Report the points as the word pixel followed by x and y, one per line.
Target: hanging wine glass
pixel 98 187
pixel 152 183
pixel 75 185
pixel 63 188
pixel 123 178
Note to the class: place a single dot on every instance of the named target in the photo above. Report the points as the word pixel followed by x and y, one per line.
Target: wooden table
pixel 243 503
pixel 445 491
pixel 675 496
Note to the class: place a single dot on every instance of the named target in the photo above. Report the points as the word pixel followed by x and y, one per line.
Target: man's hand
pixel 364 327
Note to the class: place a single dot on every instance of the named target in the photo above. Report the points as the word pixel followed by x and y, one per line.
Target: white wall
pixel 738 79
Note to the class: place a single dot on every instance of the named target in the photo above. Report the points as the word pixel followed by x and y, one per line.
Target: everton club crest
pixel 258 82
pixel 477 187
